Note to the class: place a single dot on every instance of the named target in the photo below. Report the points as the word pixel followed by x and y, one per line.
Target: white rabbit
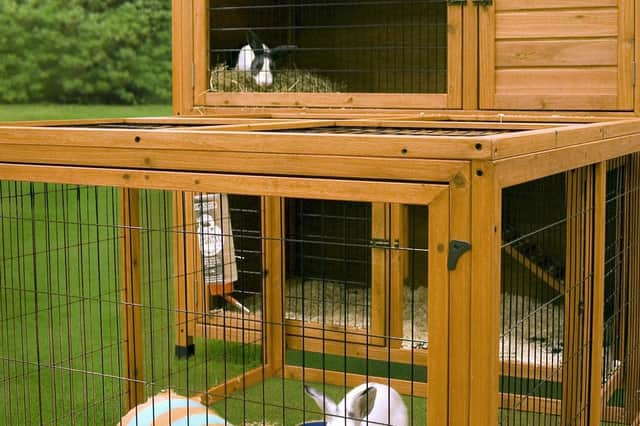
pixel 257 58
pixel 374 403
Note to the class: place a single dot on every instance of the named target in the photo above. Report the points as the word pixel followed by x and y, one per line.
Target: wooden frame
pixel 191 92
pixel 546 43
pixel 461 177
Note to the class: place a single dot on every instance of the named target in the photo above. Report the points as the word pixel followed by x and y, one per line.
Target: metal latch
pixel 456 249
pixel 381 243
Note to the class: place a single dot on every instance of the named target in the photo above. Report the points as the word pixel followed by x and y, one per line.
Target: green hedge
pixel 85 51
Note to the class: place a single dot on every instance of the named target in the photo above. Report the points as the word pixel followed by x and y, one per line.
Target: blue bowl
pixel 314 423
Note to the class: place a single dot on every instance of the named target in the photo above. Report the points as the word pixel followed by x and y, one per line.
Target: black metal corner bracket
pixel 456 249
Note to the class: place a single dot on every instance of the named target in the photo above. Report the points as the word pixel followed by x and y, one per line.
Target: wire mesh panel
pixel 546 280
pixel 61 336
pixel 224 304
pixel 328 46
pixel 356 296
pixel 620 367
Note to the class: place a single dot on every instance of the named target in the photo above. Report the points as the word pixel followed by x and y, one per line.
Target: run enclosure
pixel 103 289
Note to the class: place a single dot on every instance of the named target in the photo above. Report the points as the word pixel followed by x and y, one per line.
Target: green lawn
pixel 60 112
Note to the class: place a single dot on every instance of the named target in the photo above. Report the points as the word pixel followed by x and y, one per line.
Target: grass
pixel 61 112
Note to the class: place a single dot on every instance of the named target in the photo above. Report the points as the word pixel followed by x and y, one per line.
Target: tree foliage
pixel 85 51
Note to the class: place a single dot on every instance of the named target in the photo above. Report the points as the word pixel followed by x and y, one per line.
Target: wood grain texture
pixel 131 264
pixel 484 365
pixel 460 304
pixel 555 53
pixel 557 23
pixel 325 189
pixel 552 4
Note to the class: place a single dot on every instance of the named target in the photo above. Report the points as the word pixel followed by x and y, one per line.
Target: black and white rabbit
pixel 257 58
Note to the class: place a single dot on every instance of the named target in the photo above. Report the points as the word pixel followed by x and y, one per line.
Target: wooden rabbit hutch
pixel 440 196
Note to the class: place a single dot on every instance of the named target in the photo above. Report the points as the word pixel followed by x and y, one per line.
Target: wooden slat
pixel 439 310
pixel 557 23
pixel 200 51
pixel 399 268
pixel 552 4
pixel 532 166
pixel 181 60
pixel 507 145
pixel 335 100
pixel 454 61
pixel 470 60
pixel 459 304
pixel 626 43
pixel 178 142
pixel 531 404
pixel 333 333
pixel 380 274
pixel 484 365
pixel 487 53
pixel 547 80
pixel 132 297
pixel 359 350
pixel 232 331
pixel 326 189
pixel 546 372
pixel 219 392
pixel 550 101
pixel 536 270
pixel 273 282
pixel 350 380
pixel 555 53
pixel 185 282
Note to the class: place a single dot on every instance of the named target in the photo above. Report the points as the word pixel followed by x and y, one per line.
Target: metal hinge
pixel 193 75
pixel 456 249
pixel 633 73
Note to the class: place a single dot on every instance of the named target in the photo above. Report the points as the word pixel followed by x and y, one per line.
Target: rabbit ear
pixel 280 51
pixel 363 403
pixel 324 402
pixel 254 41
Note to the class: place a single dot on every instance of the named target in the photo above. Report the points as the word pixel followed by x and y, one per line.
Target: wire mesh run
pixel 620 367
pixel 550 298
pixel 112 297
pixel 542 346
pixel 384 46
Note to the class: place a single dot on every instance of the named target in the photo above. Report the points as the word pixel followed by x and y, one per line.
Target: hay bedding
pixel 223 79
pixel 532 332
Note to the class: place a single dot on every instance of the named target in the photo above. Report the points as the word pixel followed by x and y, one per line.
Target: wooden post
pixel 185 281
pixel 273 258
pixel 398 236
pixel 459 302
pixel 438 311
pixel 381 305
pixel 131 296
pixel 486 202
